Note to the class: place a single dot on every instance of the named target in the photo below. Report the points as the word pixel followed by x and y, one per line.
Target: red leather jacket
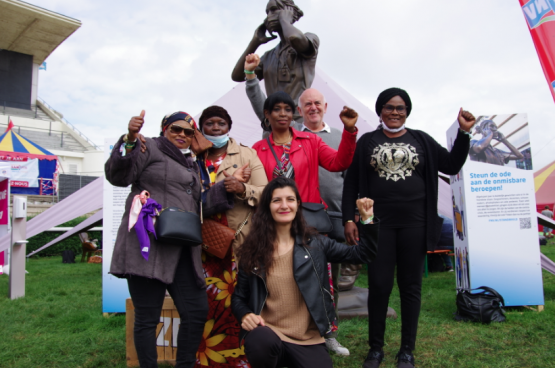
pixel 308 151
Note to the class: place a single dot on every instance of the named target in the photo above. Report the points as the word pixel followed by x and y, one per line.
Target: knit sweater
pixel 285 311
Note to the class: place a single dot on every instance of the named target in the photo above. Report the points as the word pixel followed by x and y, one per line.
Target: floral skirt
pixel 220 341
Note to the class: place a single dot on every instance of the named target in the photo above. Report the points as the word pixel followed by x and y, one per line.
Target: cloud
pixel 178 55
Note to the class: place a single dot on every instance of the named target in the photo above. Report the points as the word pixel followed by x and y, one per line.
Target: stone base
pixel 354 303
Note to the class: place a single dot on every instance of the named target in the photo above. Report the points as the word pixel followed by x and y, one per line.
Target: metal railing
pixel 69 124
pixel 60 133
pixel 29 110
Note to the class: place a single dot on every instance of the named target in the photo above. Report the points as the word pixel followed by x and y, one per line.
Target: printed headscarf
pixel 180 115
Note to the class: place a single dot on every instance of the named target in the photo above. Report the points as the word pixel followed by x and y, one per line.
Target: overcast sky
pixel 169 55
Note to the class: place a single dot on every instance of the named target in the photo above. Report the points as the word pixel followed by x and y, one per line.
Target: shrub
pixel 73 243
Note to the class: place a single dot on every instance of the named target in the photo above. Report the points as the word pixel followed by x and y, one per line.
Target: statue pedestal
pixel 354 303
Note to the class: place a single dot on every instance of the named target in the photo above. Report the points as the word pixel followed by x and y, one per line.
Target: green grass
pixel 59 323
pixel 525 340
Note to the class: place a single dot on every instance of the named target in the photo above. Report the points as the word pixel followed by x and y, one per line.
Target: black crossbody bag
pixel 175 226
pixel 314 214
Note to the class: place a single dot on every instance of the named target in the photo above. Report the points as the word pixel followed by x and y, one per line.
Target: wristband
pixel 126 139
pixel 369 220
pixel 248 71
pixel 465 132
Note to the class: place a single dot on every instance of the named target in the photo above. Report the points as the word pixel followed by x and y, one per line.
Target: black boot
pixel 373 359
pixel 405 359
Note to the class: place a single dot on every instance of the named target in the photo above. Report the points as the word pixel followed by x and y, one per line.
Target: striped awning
pixel 14 147
pixel 544 183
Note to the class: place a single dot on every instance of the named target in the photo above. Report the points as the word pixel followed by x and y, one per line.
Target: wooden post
pixel 18 248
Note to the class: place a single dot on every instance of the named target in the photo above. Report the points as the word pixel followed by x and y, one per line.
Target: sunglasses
pixel 401 109
pixel 176 129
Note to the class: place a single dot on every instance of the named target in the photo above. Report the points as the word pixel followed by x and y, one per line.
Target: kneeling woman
pixel 282 297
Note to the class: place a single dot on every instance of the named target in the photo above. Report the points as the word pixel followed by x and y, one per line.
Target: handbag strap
pixel 242 224
pixel 491 291
pixel 273 152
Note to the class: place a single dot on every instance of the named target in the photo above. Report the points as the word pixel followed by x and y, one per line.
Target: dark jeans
pixel 264 349
pixel 191 303
pixel 405 248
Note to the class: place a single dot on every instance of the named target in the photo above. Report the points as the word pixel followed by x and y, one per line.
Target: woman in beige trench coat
pixel 223 164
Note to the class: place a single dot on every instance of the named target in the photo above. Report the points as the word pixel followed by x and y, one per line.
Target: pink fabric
pixel 136 206
pixel 84 226
pixel 85 200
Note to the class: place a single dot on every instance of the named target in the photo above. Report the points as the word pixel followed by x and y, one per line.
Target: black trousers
pixel 405 248
pixel 191 303
pixel 264 349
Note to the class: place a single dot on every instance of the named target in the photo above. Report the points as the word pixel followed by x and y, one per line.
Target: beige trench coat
pixel 237 156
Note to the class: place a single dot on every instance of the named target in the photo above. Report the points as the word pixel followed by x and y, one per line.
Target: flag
pixel 10 125
pixel 540 16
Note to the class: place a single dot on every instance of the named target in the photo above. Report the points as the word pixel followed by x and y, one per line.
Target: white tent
pixel 246 125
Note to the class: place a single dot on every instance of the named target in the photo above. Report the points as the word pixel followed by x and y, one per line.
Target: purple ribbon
pixel 145 225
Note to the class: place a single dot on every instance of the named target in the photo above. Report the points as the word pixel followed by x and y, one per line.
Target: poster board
pixel 5 174
pixel 494 211
pixel 114 290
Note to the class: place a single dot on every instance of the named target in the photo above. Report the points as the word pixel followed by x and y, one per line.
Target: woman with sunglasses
pixel 220 167
pixel 282 299
pixel 167 171
pixel 399 166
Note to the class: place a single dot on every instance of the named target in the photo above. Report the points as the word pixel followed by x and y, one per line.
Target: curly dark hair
pixel 277 97
pixel 257 251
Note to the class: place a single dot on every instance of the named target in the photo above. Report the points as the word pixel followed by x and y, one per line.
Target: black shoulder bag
pixel 485 306
pixel 175 226
pixel 314 214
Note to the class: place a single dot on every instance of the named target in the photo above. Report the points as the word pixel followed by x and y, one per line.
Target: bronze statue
pixel 290 66
pixel 483 151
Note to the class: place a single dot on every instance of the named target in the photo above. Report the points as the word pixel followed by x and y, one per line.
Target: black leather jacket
pixel 311 274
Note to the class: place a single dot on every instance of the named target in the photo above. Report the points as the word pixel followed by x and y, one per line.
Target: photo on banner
pixel 25 173
pixel 494 211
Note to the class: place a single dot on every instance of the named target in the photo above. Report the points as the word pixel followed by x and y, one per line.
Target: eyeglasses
pixel 176 129
pixel 401 109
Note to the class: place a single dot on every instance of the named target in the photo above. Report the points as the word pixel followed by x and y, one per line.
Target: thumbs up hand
pixel 135 125
pixel 243 174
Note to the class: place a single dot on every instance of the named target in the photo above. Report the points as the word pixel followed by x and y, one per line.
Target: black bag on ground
pixel 485 306
pixel 316 216
pixel 178 227
pixel 68 256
